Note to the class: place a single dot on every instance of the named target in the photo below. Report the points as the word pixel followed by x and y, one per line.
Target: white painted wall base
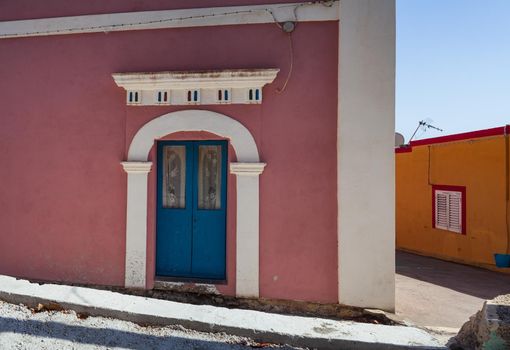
pixel 366 179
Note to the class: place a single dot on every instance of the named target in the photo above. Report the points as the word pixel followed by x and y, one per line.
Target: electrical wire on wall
pixel 105 28
pixel 288 27
pixel 291 65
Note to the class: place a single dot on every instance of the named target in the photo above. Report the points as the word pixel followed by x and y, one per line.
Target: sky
pixel 453 65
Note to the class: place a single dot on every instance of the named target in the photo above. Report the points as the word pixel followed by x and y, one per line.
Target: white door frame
pixel 247 169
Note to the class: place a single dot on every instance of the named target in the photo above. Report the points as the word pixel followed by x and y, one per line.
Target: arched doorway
pixel 247 169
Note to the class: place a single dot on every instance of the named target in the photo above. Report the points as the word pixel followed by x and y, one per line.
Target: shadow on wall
pixel 465 279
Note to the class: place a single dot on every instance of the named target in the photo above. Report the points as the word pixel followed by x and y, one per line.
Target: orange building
pixel 452 197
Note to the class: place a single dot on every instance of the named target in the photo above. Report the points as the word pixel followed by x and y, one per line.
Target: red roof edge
pixel 403 149
pixel 502 130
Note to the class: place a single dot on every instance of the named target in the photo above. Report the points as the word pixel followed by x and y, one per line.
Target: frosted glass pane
pixel 174 177
pixel 209 177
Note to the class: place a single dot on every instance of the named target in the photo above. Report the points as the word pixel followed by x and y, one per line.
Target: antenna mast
pixel 424 124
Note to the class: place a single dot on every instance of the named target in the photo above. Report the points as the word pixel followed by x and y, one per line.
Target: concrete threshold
pixel 260 326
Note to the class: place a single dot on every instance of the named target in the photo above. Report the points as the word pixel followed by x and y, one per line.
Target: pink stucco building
pixel 243 144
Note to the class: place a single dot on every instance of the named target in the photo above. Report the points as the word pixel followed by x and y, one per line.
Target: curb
pixel 260 326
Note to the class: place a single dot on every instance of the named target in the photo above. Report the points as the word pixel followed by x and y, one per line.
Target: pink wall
pixel 65 129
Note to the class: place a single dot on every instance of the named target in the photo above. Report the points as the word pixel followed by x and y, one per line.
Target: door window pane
pixel 174 176
pixel 209 177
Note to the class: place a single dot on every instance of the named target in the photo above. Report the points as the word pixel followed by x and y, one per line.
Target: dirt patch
pixel 297 308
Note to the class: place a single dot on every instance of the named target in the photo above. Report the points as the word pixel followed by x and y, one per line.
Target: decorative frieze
pixel 231 86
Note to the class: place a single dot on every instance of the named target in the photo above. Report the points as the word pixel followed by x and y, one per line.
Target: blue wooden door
pixel 191 209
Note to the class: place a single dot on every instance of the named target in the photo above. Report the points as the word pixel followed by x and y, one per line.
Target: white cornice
pixel 213 79
pixel 229 86
pixel 198 17
pixel 137 167
pixel 247 169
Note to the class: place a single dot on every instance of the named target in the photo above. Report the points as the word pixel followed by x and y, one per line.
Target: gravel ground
pixel 23 328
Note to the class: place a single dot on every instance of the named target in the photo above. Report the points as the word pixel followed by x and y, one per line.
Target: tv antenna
pixel 423 125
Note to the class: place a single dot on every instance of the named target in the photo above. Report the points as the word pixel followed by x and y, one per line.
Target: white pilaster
pixel 247 256
pixel 366 125
pixel 136 223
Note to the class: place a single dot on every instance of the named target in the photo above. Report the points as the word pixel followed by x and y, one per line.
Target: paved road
pixel 23 330
pixel 432 292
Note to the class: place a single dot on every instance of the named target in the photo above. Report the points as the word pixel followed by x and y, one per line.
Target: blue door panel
pixel 209 247
pixel 173 251
pixel 191 242
pixel 173 243
pixel 209 227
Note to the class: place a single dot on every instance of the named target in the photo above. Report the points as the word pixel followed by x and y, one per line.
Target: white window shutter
pixel 441 210
pixel 455 212
pixel 448 210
